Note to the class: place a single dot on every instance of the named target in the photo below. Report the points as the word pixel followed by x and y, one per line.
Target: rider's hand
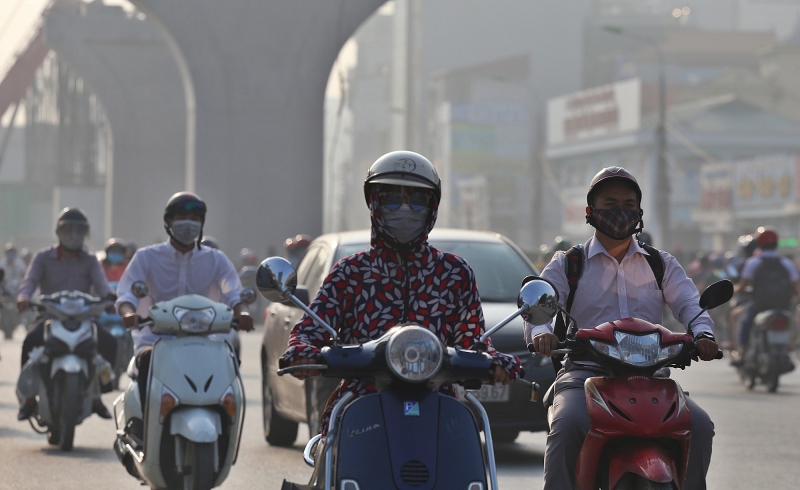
pixel 707 349
pixel 304 374
pixel 23 305
pixel 500 375
pixel 545 343
pixel 245 322
pixel 130 320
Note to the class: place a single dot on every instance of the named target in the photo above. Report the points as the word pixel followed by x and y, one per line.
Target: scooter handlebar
pixel 302 367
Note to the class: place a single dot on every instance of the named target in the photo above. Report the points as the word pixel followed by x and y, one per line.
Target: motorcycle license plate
pixel 778 336
pixel 489 393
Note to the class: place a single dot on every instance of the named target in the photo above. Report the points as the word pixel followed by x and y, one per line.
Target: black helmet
pixel 186 202
pixel 612 173
pixel 403 168
pixel 116 243
pixel 72 216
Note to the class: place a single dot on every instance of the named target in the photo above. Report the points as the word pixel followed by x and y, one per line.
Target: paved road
pixel 756 443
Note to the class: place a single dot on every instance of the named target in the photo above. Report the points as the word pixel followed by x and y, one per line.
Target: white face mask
pixel 186 231
pixel 405 224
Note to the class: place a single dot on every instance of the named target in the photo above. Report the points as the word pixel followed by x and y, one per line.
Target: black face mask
pixel 618 223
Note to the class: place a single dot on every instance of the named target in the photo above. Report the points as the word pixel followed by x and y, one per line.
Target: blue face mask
pixel 115 258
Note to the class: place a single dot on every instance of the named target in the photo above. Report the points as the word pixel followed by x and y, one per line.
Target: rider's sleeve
pixel 230 285
pixel 307 338
pixel 99 281
pixel 32 278
pixel 553 272
pixel 468 322
pixel 682 297
pixel 134 272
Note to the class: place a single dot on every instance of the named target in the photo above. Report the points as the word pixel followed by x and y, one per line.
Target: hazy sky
pixel 17 21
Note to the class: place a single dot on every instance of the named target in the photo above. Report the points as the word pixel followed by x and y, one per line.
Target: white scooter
pixel 60 374
pixel 188 436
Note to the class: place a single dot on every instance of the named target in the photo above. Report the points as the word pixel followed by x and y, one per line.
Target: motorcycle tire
pixel 278 431
pixel 198 465
pixel 637 482
pixel 53 437
pixel 70 405
pixel 774 374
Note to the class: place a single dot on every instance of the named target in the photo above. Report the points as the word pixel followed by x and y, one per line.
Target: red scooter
pixel 640 422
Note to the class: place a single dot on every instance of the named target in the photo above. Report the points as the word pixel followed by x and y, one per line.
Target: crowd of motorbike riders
pixel 402 191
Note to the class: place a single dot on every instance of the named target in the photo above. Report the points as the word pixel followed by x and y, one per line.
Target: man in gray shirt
pixel 62 267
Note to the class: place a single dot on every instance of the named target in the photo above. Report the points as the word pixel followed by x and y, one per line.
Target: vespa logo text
pixel 405 165
pixel 357 432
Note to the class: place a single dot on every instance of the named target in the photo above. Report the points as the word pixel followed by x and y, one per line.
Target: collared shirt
pixel 52 272
pixel 752 264
pixel 609 290
pixel 168 273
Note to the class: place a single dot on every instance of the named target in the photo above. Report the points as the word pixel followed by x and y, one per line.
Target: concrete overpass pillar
pixel 130 67
pixel 259 70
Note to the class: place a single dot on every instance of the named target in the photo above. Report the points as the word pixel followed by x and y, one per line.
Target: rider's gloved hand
pixel 500 375
pixel 545 343
pixel 245 322
pixel 23 305
pixel 707 349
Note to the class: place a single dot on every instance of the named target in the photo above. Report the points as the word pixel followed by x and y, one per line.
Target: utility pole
pixel 662 187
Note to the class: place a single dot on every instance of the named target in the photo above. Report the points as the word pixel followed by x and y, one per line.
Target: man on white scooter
pixel 619 277
pixel 179 266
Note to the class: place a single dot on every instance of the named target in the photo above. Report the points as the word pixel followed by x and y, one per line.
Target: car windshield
pixel 498 268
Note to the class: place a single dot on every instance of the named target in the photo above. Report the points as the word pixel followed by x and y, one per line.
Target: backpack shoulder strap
pixel 573 266
pixel 656 263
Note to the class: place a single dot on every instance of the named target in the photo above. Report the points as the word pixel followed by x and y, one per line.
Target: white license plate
pixel 489 393
pixel 778 336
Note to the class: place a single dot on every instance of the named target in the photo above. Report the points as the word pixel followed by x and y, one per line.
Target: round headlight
pixel 194 321
pixel 414 354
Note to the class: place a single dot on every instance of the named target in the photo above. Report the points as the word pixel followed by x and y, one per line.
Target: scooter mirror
pixel 139 289
pixel 716 294
pixel 247 296
pixel 541 299
pixel 276 279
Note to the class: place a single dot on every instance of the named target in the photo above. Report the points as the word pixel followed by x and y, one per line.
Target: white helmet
pixel 403 168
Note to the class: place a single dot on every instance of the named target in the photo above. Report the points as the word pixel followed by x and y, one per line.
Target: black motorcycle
pixel 415 436
pixel 766 357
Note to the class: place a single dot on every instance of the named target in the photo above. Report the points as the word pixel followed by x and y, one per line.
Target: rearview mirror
pixel 247 296
pixel 541 299
pixel 139 289
pixel 276 279
pixel 716 294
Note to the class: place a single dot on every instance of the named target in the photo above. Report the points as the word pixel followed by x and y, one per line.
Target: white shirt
pixel 752 264
pixel 609 290
pixel 14 272
pixel 169 273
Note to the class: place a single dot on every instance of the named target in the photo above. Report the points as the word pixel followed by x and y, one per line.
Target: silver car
pixel 499 268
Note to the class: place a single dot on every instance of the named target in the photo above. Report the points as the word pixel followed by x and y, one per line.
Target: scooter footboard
pixel 423 442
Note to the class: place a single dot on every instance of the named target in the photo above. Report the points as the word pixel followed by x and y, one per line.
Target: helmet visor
pixel 188 207
pixel 401 179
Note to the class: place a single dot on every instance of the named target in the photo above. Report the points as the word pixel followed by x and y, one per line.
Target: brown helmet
pixel 612 173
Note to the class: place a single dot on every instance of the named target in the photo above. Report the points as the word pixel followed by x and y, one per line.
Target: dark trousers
pixel 747 323
pixel 571 423
pixel 106 343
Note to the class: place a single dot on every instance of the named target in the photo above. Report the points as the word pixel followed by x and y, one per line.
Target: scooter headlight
pixel 414 354
pixel 637 350
pixel 71 306
pixel 194 321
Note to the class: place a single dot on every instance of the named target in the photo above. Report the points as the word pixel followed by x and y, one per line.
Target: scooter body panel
pixel 198 371
pixel 424 440
pixel 635 411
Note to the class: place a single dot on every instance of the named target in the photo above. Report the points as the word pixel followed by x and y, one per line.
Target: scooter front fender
pixel 69 363
pixel 643 458
pixel 196 424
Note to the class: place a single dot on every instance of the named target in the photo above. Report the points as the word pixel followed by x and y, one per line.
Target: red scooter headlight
pixel 637 349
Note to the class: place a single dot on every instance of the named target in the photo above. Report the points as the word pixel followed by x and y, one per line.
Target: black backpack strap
pixel 573 267
pixel 655 262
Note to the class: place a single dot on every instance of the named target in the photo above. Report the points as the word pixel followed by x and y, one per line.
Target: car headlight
pixel 414 354
pixel 195 321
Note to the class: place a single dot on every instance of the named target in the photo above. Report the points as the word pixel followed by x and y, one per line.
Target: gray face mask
pixel 405 224
pixel 186 231
pixel 71 242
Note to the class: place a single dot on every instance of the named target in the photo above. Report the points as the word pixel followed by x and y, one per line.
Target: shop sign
pixel 765 183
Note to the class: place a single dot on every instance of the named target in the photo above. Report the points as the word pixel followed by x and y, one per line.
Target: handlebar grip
pixel 302 367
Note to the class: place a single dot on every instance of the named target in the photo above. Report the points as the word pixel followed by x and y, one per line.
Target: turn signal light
pixel 168 402
pixel 229 402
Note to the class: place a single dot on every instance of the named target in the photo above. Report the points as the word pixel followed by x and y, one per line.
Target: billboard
pixel 602 111
pixel 764 186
